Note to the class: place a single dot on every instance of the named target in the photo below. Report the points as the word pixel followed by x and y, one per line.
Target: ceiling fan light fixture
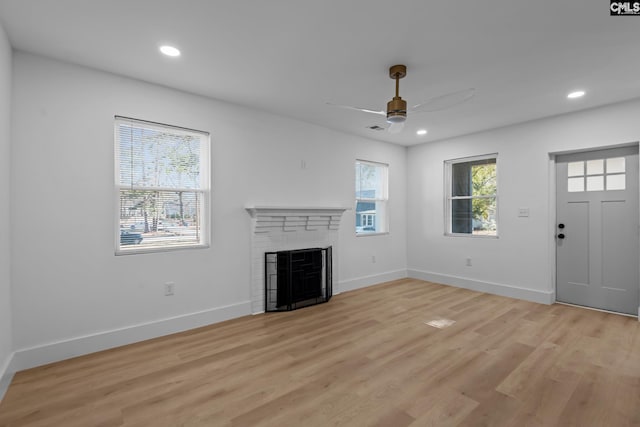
pixel 396 110
pixel 393 118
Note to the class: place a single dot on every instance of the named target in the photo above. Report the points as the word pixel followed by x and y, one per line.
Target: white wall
pixel 6 347
pixel 72 295
pixel 520 262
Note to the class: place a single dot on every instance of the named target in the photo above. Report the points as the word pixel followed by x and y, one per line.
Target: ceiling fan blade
pixel 364 110
pixel 443 102
pixel 395 127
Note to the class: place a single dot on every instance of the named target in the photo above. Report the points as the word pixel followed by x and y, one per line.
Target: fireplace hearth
pixel 297 278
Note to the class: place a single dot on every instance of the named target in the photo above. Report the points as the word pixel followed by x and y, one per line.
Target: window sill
pixel 137 251
pixel 382 233
pixel 473 236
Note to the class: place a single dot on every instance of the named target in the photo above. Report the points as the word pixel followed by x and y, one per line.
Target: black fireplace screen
pixel 297 278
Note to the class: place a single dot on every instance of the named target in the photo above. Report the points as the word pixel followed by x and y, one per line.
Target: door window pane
pixel 595 167
pixel 616 182
pixel 595 183
pixel 576 168
pixel 576 184
pixel 615 165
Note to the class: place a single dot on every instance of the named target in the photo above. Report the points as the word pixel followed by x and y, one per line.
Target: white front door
pixel 597 230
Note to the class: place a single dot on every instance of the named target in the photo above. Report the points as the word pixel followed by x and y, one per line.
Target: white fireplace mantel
pixel 294 218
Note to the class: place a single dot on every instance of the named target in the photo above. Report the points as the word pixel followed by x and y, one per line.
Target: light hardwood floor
pixel 367 358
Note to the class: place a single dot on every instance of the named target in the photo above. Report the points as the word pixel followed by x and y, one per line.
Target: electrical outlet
pixel 169 289
pixel 468 262
pixel 373 259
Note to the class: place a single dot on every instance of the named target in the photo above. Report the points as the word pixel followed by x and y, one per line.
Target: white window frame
pixel 382 216
pixel 448 198
pixel 204 189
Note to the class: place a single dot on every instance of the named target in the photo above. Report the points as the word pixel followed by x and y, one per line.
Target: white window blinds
pixel 162 177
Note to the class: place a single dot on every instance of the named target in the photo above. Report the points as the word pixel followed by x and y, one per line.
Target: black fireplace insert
pixel 297 278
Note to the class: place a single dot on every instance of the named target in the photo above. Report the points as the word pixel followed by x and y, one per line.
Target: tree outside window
pixel 163 186
pixel 472 201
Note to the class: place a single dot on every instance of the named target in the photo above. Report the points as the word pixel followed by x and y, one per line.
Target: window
pixel 371 197
pixel 472 196
pixel 596 175
pixel 162 182
pixel 367 220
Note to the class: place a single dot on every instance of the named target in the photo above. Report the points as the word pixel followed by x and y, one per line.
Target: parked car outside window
pixel 130 238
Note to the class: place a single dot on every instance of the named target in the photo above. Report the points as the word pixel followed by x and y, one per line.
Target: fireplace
pixel 285 228
pixel 297 278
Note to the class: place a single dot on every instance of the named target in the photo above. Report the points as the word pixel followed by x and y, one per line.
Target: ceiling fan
pixel 396 113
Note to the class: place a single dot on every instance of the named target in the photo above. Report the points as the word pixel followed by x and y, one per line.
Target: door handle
pixel 561 236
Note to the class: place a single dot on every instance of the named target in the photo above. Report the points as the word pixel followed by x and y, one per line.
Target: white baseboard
pixel 374 279
pixel 5 376
pixel 542 297
pixel 41 355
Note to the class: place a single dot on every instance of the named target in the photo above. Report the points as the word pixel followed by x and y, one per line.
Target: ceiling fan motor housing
pixel 396 110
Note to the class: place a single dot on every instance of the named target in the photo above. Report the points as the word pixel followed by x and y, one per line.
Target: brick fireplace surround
pixel 286 228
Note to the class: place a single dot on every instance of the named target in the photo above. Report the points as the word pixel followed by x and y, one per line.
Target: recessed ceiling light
pixel 422 132
pixel 576 94
pixel 169 50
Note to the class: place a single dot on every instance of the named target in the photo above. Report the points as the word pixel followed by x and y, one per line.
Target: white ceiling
pixel 291 57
